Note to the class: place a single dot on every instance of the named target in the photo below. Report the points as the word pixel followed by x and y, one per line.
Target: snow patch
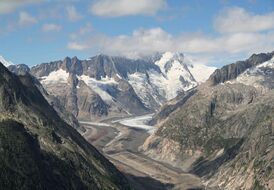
pixel 100 86
pixel 255 76
pixel 59 76
pixel 201 72
pixel 269 64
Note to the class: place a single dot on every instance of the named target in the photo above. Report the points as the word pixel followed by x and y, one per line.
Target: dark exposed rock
pixel 23 72
pixel 39 150
pixel 90 103
pixel 231 71
pixel 20 69
pixel 171 106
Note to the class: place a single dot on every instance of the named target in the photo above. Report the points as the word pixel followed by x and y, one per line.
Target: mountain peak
pixel 5 62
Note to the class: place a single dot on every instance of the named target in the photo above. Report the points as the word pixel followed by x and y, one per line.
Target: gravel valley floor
pixel 119 140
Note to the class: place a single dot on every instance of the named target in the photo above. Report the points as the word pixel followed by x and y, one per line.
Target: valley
pixel 164 129
pixel 136 95
pixel 119 140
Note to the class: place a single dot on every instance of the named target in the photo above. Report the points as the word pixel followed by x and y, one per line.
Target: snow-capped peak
pixel 177 60
pixel 169 57
pixel 5 62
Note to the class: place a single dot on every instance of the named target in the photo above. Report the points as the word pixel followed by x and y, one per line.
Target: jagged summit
pixel 118 83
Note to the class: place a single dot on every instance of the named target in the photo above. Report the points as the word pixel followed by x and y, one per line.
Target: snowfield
pixel 59 76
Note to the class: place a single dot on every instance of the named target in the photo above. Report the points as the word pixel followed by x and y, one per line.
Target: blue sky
pixel 213 32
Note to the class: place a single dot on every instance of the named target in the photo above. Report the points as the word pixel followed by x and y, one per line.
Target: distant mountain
pixel 5 62
pixel 39 150
pixel 223 129
pixel 106 86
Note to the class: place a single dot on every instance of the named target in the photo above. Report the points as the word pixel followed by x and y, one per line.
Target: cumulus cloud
pixel 72 13
pixel 26 19
pixel 143 42
pixel 239 20
pixel 110 8
pixel 146 42
pixel 50 27
pixel 233 40
pixel 8 6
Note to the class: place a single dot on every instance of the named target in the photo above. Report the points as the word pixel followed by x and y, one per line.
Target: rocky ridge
pixel 53 155
pixel 106 86
pixel 223 132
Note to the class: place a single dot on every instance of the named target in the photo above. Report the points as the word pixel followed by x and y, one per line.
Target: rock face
pixel 39 150
pixel 223 132
pixel 23 71
pixel 231 71
pixel 105 86
pixel 20 69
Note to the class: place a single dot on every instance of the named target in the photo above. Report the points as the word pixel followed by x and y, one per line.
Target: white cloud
pixel 239 20
pixel 111 8
pixel 26 19
pixel 8 6
pixel 72 13
pixel 237 38
pixel 50 27
pixel 146 42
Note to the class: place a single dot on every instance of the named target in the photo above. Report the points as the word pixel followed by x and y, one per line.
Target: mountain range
pixel 108 86
pixel 214 123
